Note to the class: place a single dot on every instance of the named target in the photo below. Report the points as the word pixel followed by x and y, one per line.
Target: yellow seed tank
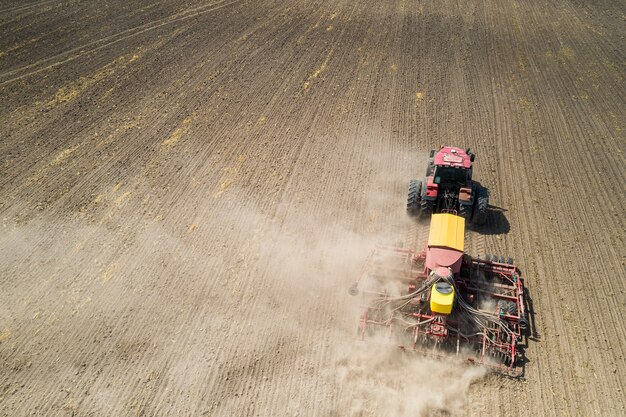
pixel 441 298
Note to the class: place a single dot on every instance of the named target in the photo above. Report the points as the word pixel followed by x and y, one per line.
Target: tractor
pixel 448 188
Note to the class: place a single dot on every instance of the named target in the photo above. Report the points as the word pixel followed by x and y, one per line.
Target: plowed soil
pixel 188 189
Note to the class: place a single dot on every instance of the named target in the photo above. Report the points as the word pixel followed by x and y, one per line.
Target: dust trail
pixel 248 308
pixel 314 272
pixel 372 377
pixel 383 381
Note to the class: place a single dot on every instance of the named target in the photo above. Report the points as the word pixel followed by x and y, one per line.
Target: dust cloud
pixel 237 297
pixel 313 260
pixel 372 377
pixel 381 380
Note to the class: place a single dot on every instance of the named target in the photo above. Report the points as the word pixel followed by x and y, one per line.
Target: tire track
pixel 192 269
pixel 27 6
pixel 25 71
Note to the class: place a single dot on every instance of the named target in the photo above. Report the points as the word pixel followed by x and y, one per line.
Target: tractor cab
pixel 445 175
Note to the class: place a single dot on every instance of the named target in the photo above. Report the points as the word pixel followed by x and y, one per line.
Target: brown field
pixel 188 188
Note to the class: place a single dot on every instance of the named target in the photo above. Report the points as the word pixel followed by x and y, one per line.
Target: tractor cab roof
pixel 449 156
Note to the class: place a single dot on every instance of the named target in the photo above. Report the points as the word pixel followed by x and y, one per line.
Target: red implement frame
pixel 494 290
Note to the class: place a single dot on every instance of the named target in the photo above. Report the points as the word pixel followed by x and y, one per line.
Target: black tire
pixel 481 206
pixel 466 212
pixel 430 168
pixel 427 208
pixel 414 198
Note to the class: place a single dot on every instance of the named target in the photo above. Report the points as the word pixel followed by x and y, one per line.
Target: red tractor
pixel 448 188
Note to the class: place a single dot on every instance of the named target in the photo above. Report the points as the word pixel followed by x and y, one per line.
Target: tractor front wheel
pixel 430 168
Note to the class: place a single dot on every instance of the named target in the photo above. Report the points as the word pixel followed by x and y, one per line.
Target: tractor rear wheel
pixel 466 212
pixel 427 208
pixel 414 198
pixel 481 206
